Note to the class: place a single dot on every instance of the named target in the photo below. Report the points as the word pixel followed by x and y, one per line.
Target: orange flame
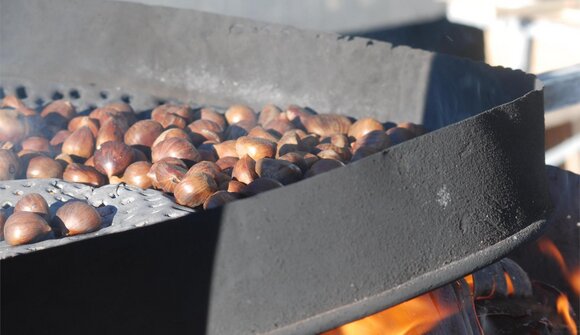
pixel 509 284
pixel 564 309
pixel 548 247
pixel 412 317
pixel 469 280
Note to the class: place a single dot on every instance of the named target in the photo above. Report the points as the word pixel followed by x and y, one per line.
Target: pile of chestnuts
pixel 202 157
pixel 32 220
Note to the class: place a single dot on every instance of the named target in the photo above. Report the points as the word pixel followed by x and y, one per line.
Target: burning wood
pixel 499 299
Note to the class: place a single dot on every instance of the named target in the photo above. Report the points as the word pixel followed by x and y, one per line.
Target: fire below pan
pixel 300 259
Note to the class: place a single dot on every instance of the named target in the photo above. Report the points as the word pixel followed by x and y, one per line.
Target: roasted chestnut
pixel 143 133
pixel 175 147
pixel 245 170
pixel 77 173
pixel 44 167
pixel 136 174
pixel 113 158
pixel 195 189
pixel 238 113
pixel 364 126
pixel 326 125
pixel 257 148
pixel 26 227
pixel 33 203
pixel 84 121
pixel 78 217
pixel 81 143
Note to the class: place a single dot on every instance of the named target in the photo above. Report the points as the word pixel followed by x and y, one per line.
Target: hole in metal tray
pixel 57 95
pixel 21 92
pixel 74 94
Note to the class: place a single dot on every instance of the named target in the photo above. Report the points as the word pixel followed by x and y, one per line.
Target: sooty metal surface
pixel 309 256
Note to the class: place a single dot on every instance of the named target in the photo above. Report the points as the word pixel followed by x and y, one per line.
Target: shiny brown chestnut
pixel 77 218
pixel 238 113
pixel 167 176
pixel 226 149
pixel 26 227
pixel 33 203
pixel 343 153
pixel 143 133
pixel 77 173
pixel 364 126
pixel 13 126
pixel 209 168
pixel 175 147
pixel 194 190
pixel 44 167
pixel 259 132
pixel 36 143
pixel 81 143
pixel 136 174
pixel 161 113
pixel 326 125
pixel 112 130
pixel 169 160
pixel 169 133
pixel 377 140
pixel 235 186
pixel 257 148
pixel 245 170
pixel 63 108
pixel 84 121
pixel 113 158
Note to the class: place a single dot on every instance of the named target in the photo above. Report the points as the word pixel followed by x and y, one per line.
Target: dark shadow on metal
pixel 437 35
pixel 154 280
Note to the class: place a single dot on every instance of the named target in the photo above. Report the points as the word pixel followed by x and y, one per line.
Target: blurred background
pixel 537 36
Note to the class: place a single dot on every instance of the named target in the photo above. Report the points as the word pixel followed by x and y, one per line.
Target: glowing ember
pixel 548 247
pixel 564 309
pixel 469 280
pixel 412 317
pixel 509 283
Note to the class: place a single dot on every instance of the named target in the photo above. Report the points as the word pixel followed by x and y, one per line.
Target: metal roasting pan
pixel 297 260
